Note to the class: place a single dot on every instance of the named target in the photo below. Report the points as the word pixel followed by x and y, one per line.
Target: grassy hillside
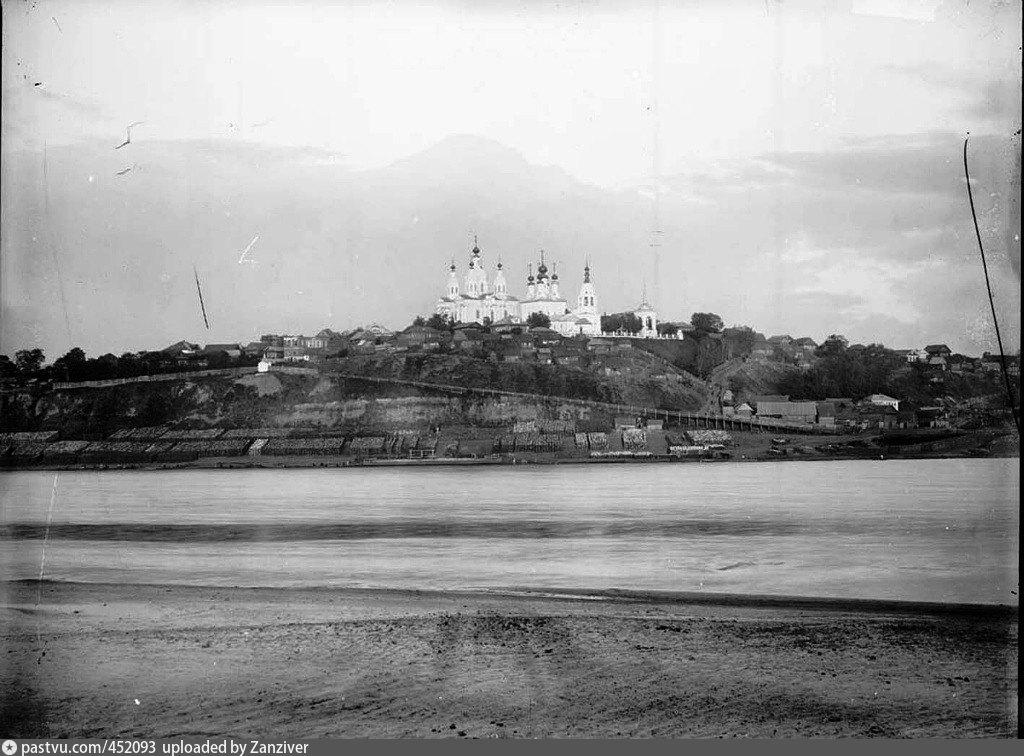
pixel 327 400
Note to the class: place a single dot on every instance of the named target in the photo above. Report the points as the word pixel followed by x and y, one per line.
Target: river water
pixel 927 530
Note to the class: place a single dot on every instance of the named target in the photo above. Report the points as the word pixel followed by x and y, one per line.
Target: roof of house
pixel 827 409
pixel 806 409
pixel 744 408
pixel 877 409
pixel 425 330
pixel 937 348
pixel 770 398
pixel 222 347
pixel 328 333
pixel 180 346
pixel 880 398
pixel 783 337
pixel 806 341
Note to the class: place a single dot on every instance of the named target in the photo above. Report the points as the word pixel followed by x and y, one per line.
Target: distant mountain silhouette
pixel 336 247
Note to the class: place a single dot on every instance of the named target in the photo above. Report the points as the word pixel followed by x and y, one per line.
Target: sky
pixel 793 166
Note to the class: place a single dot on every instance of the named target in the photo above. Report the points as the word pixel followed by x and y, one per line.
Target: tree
pixel 440 322
pixel 833 346
pixel 631 323
pixel 419 321
pixel 706 322
pixel 538 320
pixel 29 360
pixel 626 322
pixel 70 367
pixel 7 368
pixel 740 340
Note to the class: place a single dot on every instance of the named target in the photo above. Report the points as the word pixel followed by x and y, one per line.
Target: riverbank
pixel 305 462
pixel 127 660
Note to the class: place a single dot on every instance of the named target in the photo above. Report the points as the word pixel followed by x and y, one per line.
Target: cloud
pixel 866 239
pixel 991 100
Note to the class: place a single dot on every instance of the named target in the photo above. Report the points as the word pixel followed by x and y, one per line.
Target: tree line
pixel 29 365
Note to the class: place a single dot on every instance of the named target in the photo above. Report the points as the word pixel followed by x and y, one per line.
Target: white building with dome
pixel 476 298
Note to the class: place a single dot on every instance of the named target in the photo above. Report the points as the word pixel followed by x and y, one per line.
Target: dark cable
pixel 991 301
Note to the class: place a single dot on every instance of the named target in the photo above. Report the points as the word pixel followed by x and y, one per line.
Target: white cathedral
pixel 476 299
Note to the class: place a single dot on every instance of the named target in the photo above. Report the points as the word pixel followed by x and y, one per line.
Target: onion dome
pixel 554 275
pixel 529 278
pixel 452 267
pixel 586 272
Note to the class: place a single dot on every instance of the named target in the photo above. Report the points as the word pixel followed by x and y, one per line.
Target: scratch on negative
pixel 46 536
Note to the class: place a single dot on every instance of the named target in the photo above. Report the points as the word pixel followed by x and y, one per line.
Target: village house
pixel 415 337
pixel 827 413
pixel 882 399
pixel 806 344
pixel 937 350
pixel 231 350
pixel 881 416
pixel 794 412
pixel 545 336
pixel 932 417
pixel 762 350
pixel 468 340
pixel 744 411
pixel 179 354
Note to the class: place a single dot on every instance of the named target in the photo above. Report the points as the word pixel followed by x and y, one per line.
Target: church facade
pixel 475 298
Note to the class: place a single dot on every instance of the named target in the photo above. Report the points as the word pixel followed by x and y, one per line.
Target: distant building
pixel 882 399
pixel 648 317
pixel 795 412
pixel 881 416
pixel 476 299
pixel 419 337
pixel 231 350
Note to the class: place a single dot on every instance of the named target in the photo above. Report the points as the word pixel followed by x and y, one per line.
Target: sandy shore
pixel 163 661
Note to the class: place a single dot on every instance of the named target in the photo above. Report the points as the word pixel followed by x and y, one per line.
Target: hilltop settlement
pixel 494 378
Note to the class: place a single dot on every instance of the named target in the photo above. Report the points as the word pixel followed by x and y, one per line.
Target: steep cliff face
pixel 331 401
